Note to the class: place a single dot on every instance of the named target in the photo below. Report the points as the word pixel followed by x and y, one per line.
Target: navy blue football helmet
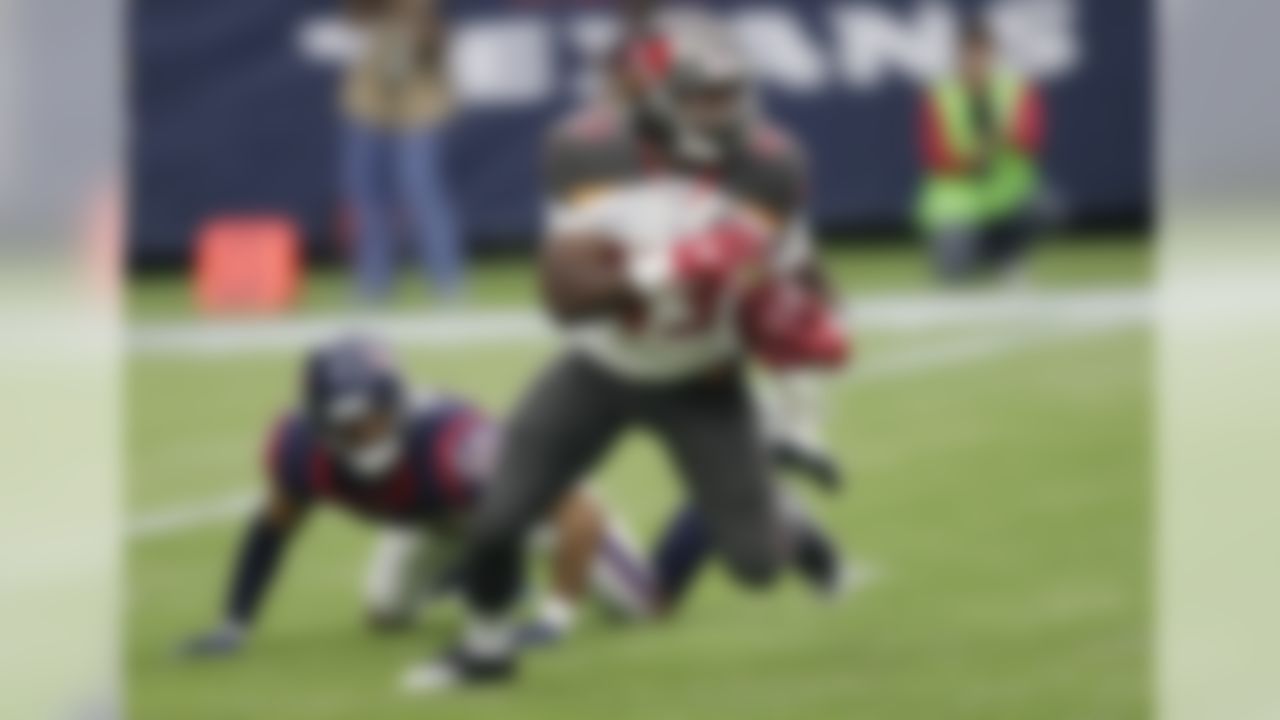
pixel 355 396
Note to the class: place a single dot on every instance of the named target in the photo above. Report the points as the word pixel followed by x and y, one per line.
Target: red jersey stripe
pixel 445 455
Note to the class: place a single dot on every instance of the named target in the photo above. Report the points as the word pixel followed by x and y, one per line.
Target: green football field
pixel 1000 502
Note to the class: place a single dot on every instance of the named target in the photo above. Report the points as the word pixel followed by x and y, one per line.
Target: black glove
pixel 819 468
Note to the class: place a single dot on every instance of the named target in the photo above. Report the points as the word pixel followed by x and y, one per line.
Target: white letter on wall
pixel 876 44
pixel 1039 37
pixel 502 62
pixel 781 53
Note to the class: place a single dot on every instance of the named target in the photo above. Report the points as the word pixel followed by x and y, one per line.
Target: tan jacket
pixel 398 80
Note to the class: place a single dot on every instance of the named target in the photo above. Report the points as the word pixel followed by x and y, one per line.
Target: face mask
pixel 374 461
pixel 697 147
pixel 710 141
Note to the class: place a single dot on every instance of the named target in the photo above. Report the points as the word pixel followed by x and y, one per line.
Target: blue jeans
pixel 389 174
pixel 961 252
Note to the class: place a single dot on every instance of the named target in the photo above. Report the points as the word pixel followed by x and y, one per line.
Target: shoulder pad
pixel 776 174
pixel 287 456
pixel 592 147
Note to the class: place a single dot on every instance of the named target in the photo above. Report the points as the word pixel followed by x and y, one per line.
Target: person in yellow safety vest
pixel 981 133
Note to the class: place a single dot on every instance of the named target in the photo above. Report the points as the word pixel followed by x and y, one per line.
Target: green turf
pixel 1003 502
pixel 505 282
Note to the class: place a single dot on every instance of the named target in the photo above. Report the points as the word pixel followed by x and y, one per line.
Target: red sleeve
pixel 1029 129
pixel 789 326
pixel 934 147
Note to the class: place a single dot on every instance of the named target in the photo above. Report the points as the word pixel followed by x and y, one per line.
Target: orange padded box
pixel 247 264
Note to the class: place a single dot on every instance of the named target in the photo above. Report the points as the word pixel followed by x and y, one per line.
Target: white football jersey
pixel 672 338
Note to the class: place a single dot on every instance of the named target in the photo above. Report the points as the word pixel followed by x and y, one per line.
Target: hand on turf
pixel 223 641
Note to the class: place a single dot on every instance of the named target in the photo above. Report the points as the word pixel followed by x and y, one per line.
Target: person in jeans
pixel 982 132
pixel 396 104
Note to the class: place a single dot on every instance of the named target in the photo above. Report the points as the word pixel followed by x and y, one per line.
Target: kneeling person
pixel 417 468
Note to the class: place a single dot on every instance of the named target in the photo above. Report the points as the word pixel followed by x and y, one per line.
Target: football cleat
pixel 455 669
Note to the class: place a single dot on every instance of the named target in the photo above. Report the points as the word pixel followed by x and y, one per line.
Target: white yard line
pixel 478 328
pixel 1061 323
pixel 180 518
pixel 982 346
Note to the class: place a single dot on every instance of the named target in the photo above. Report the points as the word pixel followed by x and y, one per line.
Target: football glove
pixel 789 326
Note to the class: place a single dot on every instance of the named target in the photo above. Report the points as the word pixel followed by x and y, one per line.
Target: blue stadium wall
pixel 231 115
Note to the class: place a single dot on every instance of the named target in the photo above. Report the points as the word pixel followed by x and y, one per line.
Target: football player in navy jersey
pixel 416 467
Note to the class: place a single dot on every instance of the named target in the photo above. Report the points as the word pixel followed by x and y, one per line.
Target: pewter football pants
pixel 569 419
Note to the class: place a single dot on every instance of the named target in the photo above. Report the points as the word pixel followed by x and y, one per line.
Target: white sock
pixel 557 612
pixel 488 637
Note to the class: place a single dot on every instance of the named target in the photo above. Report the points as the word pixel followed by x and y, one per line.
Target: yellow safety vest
pixel 1011 176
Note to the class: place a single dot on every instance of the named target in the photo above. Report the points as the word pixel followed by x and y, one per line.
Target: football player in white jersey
pixel 670 259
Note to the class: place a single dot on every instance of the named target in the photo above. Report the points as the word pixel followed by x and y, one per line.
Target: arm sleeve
pixel 1029 130
pixel 284 462
pixel 261 551
pixel 267 534
pixel 934 148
